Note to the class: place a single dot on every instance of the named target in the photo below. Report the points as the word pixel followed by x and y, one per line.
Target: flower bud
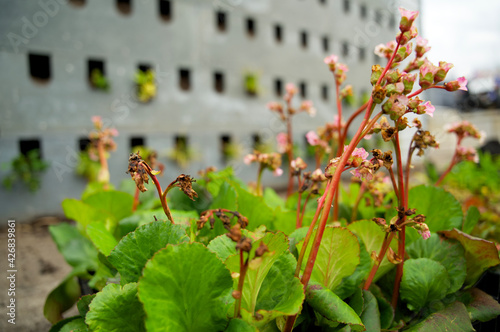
pixel 408 81
pixel 376 72
pixel 427 73
pixel 459 84
pixel 407 19
pixel 378 94
pixel 443 69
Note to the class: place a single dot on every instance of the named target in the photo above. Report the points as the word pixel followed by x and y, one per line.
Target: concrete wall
pixel 58 112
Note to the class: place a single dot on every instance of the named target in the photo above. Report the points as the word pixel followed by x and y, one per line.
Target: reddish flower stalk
pixel 136 199
pixel 161 194
pixel 378 261
pixel 241 280
pixel 454 161
pixel 403 204
pixel 289 151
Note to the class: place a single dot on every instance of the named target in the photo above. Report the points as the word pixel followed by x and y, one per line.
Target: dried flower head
pixel 138 171
pixel 185 183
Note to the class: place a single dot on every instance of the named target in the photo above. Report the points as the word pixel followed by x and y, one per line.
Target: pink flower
pixel 343 67
pixel 96 119
pixel 274 106
pixel 282 140
pixel 331 59
pixel 307 106
pixel 360 152
pixel 312 138
pixel 462 82
pixel 113 132
pixel 425 234
pixel 380 50
pixel 278 172
pixel 429 109
pixel 249 158
pixel 291 89
pixel 407 18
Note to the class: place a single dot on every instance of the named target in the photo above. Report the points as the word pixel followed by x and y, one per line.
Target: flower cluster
pixel 465 129
pixel 271 161
pixel 101 137
pixel 221 214
pixel 338 69
pixel 364 168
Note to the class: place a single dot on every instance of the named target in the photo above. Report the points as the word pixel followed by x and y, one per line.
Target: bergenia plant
pixel 238 258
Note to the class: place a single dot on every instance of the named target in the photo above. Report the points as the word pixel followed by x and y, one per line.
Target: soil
pixel 40 268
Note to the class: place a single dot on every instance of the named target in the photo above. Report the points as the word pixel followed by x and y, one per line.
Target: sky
pixel 463 32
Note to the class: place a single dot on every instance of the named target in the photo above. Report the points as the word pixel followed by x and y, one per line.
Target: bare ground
pixel 40 268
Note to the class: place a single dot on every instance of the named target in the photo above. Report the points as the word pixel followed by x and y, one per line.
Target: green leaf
pixel 370 315
pixel 453 318
pixel 450 254
pixel 329 305
pixel 254 208
pixel 82 213
pixel 423 281
pixel 385 308
pixel 239 325
pixel 133 251
pixel 101 237
pixel 272 199
pixel 483 307
pixel 445 215
pixel 83 304
pixel 270 287
pixel 116 203
pixel 222 246
pixel 76 249
pixel 116 308
pixel 350 283
pixel 471 219
pixel 185 288
pixel 71 324
pixel 479 254
pixel 373 237
pixel 338 257
pixel 62 297
pixel 226 198
pixel 285 221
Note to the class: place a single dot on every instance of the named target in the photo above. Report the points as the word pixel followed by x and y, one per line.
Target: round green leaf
pixel 338 257
pixel 185 287
pixel 479 254
pixel 222 246
pixel 423 280
pixel 483 307
pixel 116 309
pixel 450 254
pixel 101 237
pixel 329 305
pixel 442 210
pixel 453 318
pixel 135 249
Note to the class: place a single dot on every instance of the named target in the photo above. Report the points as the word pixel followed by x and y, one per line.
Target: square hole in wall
pixel 278 33
pixel 347 6
pixel 225 143
pixel 278 87
pixel 256 141
pixel 250 27
pixel 181 142
pixel 324 92
pixel 303 89
pixel 363 12
pixel 362 54
pixel 124 6
pixel 345 49
pixel 83 143
pixel 96 72
pixel 77 3
pixel 27 145
pixel 39 66
pixel 219 82
pixel 303 39
pixel 325 42
pixel 165 9
pixel 184 79
pixel 220 20
pixel 137 141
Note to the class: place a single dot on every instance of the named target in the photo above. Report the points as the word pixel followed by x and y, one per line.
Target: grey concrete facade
pixel 57 112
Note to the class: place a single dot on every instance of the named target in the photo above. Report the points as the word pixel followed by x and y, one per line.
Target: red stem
pixel 241 280
pixel 380 257
pixel 403 204
pixel 136 199
pixel 163 196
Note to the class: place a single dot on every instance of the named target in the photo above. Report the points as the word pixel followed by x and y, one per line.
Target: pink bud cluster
pixel 338 69
pixel 271 161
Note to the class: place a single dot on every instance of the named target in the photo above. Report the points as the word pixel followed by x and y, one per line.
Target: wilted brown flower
pixel 185 183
